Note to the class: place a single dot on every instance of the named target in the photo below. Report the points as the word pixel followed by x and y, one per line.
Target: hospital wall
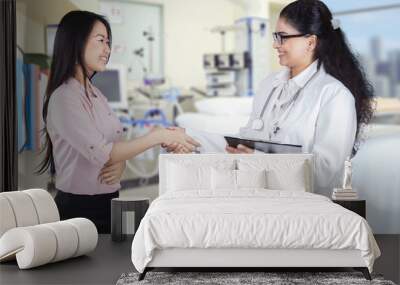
pixel 187 36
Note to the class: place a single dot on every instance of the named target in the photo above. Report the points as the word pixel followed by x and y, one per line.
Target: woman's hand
pixel 111 173
pixel 240 149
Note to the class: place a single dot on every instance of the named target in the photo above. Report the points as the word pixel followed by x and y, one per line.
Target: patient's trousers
pixel 96 208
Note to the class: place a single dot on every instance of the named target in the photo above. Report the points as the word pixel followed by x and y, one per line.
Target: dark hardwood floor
pixel 110 260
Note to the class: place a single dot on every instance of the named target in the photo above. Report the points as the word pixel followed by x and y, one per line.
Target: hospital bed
pixel 218 115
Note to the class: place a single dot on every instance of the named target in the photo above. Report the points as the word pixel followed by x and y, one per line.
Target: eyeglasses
pixel 279 38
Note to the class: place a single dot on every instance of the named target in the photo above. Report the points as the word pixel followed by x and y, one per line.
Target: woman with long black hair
pixel 322 98
pixel 83 135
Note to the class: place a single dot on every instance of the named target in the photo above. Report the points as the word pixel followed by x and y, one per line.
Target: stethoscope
pixel 258 124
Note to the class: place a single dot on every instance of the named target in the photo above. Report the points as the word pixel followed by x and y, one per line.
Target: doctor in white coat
pixel 319 101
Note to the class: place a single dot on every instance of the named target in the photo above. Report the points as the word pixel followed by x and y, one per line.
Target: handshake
pixel 175 140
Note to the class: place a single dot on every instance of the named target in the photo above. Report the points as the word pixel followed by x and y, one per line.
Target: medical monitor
pixel 112 83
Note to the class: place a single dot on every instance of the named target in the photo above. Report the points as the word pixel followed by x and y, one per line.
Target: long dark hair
pixel 314 18
pixel 69 46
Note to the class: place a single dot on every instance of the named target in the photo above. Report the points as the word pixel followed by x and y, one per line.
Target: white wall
pixel 30 33
pixel 87 5
pixel 32 18
pixel 28 29
pixel 21 23
pixel 188 37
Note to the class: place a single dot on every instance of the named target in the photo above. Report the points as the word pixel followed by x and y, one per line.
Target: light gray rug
pixel 242 278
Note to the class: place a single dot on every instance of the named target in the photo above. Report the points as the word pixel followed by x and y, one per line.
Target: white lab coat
pixel 323 120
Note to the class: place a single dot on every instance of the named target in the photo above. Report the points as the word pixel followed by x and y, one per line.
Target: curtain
pixel 8 100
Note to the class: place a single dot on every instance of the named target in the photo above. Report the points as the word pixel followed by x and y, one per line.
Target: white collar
pixel 300 79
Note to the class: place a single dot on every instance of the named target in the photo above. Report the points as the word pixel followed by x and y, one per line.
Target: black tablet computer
pixel 264 146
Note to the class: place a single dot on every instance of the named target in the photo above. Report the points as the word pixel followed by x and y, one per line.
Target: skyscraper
pixel 376 48
pixel 394 72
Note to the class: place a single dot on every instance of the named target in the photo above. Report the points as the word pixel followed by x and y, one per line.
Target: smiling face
pixel 97 49
pixel 297 51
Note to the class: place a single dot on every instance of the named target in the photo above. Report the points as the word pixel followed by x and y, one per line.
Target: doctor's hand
pixel 239 149
pixel 174 147
pixel 111 173
pixel 175 140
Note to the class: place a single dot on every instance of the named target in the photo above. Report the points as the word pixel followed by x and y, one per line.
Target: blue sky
pixel 359 28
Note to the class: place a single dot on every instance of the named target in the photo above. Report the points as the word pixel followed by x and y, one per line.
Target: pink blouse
pixel 82 132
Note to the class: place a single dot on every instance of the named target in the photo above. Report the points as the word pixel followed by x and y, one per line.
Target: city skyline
pixel 371 36
pixel 361 27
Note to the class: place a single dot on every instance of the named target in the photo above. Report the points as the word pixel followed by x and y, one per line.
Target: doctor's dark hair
pixel 314 18
pixel 69 46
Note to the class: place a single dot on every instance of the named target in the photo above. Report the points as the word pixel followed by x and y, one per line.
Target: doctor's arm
pixel 334 138
pixel 260 98
pixel 242 148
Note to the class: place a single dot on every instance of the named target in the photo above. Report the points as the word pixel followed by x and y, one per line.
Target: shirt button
pixel 118 131
pixel 109 114
pixel 91 147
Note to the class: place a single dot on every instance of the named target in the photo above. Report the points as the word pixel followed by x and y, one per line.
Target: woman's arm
pixel 112 173
pixel 70 120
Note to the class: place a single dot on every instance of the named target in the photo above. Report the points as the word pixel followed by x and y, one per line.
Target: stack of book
pixel 344 194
